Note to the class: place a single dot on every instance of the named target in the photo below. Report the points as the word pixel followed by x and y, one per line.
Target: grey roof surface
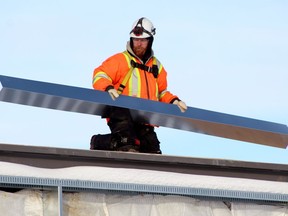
pixel 47 157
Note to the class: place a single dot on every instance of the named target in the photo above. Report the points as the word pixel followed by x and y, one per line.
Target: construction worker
pixel 137 73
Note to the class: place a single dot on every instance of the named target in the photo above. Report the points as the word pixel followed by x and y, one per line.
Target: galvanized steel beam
pixel 89 101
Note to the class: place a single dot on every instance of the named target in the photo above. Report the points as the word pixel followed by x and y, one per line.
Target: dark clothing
pixel 126 134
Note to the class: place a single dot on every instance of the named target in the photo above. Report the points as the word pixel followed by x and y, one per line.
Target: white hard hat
pixel 142 28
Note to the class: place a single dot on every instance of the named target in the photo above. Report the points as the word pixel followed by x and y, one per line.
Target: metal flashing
pixel 89 101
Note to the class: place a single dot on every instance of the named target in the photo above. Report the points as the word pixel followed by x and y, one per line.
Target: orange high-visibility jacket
pixel 141 84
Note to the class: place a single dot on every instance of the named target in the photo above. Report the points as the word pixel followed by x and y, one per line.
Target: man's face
pixel 140 46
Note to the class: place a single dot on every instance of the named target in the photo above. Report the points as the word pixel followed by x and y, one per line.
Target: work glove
pixel 182 106
pixel 113 93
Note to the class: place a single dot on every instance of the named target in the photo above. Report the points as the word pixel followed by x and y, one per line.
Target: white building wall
pixel 44 203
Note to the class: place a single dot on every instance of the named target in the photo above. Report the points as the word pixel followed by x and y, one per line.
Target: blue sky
pixel 224 56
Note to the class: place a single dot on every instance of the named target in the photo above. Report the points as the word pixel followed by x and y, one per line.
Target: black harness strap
pixel 154 69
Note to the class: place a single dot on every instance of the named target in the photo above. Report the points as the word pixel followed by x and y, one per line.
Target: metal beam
pixel 89 101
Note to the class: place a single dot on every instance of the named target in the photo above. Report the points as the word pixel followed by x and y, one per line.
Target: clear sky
pixel 225 56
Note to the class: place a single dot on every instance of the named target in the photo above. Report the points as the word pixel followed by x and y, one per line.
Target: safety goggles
pixel 139 30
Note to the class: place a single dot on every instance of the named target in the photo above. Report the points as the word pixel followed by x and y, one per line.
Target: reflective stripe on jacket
pixel 142 84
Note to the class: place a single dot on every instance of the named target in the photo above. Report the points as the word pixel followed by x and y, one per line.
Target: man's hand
pixel 182 106
pixel 113 93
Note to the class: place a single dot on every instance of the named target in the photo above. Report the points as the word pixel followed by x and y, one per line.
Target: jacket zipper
pixel 146 80
pixel 148 94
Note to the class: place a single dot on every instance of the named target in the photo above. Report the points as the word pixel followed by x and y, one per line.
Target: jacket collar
pixel 129 49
